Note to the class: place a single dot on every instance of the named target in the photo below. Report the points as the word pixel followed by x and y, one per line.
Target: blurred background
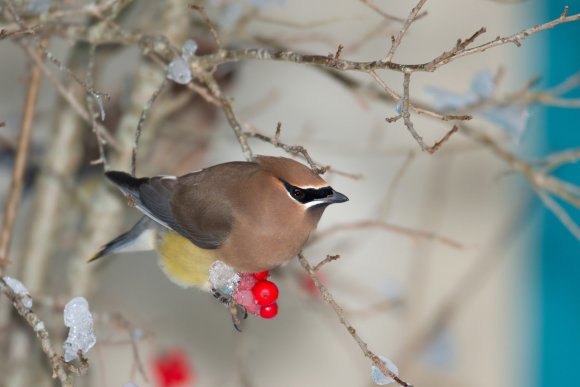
pixel 451 266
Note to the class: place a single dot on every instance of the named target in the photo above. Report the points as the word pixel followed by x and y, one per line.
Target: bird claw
pixel 239 313
pixel 225 299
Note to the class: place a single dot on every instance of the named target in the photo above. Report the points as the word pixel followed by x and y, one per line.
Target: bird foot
pixel 237 311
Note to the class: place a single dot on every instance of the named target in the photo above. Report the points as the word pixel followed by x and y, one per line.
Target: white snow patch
pixel 381 379
pixel 81 336
pixel 20 290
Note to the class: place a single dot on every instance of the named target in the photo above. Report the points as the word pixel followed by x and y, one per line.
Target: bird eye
pixel 297 193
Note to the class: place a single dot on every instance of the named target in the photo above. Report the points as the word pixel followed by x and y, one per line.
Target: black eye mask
pixel 307 195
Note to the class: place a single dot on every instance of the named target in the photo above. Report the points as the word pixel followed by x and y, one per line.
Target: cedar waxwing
pixel 253 216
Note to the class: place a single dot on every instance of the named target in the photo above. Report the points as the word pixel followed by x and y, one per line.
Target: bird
pixel 251 215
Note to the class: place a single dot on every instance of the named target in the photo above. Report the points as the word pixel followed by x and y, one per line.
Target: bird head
pixel 302 185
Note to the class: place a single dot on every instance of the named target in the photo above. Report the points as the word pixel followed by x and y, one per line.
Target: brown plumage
pixel 251 215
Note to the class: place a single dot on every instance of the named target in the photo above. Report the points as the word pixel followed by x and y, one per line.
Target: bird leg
pixel 238 312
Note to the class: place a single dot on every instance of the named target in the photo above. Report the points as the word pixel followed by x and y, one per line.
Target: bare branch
pixel 386 16
pixel 99 135
pixel 329 299
pixel 292 149
pixel 17 183
pixel 390 194
pixel 230 116
pixel 208 22
pixel 141 122
pixel 376 224
pixel 396 40
pixel 390 92
pixel 561 214
pixel 67 95
pixel 516 39
pixel 58 366
pixel 409 124
pixel 329 258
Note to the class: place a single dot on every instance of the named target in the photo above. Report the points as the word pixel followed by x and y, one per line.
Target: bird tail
pixel 140 237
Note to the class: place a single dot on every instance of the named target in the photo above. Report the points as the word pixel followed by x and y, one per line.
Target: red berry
pixel 246 299
pixel 172 369
pixel 261 275
pixel 247 281
pixel 269 311
pixel 265 292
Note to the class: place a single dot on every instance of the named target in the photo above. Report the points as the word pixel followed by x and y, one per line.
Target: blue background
pixel 558 269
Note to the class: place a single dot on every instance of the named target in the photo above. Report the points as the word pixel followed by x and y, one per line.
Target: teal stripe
pixel 559 260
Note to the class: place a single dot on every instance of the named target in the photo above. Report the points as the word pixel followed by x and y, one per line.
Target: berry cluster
pixel 257 294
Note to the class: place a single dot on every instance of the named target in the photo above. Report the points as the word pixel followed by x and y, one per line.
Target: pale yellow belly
pixel 183 262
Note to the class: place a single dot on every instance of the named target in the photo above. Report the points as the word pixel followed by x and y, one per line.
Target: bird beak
pixel 336 197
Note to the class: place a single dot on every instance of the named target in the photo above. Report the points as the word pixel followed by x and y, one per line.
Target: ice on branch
pixel 378 377
pixel 399 106
pixel 511 117
pixel 81 336
pixel 37 7
pixel 189 48
pixel 223 277
pixel 19 290
pixel 179 72
pixel 440 352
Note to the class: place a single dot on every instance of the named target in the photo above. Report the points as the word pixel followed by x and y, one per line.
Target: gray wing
pixel 208 226
pixel 202 201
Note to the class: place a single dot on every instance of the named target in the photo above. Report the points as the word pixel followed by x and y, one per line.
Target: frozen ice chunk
pixel 179 71
pixel 378 376
pixel 20 290
pixel 81 336
pixel 223 277
pixel 483 83
pixel 38 6
pixel 511 118
pixel 399 106
pixel 99 99
pixel 447 100
pixel 440 353
pixel 189 48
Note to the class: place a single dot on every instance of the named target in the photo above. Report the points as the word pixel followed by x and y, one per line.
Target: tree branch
pixel 17 183
pixel 329 299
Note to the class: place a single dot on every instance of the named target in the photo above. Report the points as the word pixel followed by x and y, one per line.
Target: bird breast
pixel 266 233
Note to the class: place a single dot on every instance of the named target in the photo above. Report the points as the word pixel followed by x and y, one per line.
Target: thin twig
pixel 561 214
pixel 390 194
pixel 224 56
pixel 329 299
pixel 230 116
pixel 409 124
pixel 329 258
pixel 466 287
pixel 385 15
pixel 99 135
pixel 17 183
pixel 419 110
pixel 396 40
pixel 376 224
pixel 141 122
pixel 67 95
pixel 209 24
pixel 39 44
pixel 291 149
pixel 556 160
